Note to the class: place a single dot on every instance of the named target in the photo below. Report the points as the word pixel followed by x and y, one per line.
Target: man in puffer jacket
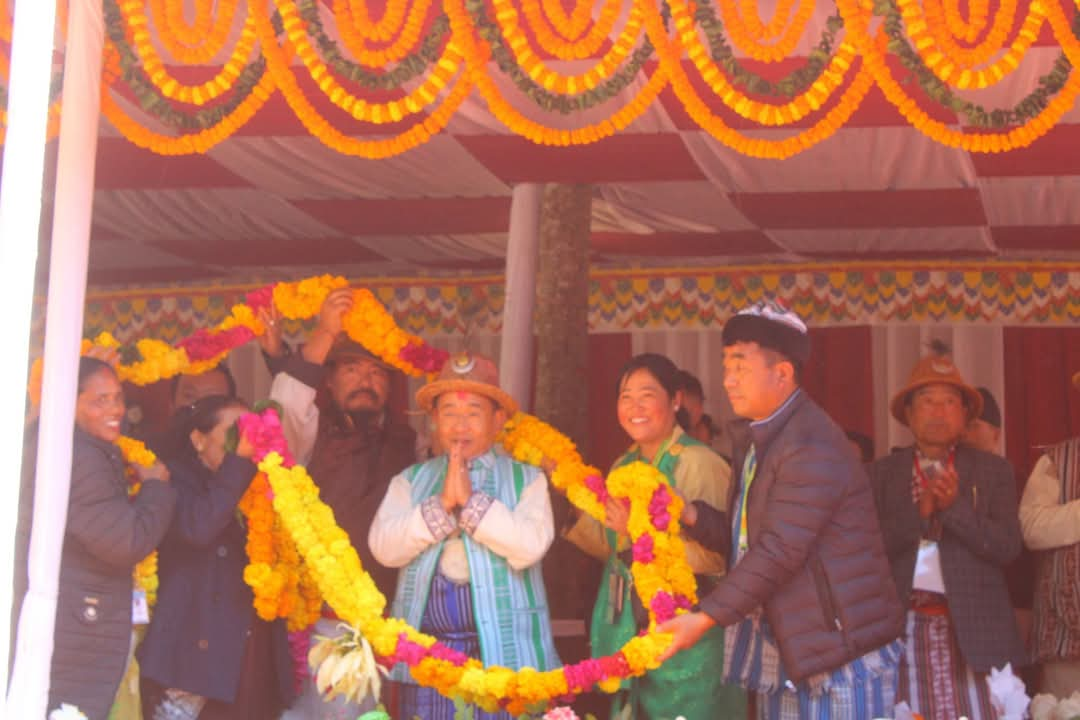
pixel 812 613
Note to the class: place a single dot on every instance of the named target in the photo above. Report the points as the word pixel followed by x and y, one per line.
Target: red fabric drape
pixel 839 376
pixel 608 352
pixel 1041 405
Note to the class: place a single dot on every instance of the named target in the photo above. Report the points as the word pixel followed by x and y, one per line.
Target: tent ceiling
pixel 272 201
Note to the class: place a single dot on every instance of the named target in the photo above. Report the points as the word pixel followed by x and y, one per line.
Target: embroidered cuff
pixel 438 521
pixel 474 511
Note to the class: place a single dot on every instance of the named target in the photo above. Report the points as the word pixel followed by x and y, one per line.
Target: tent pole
pixel 522 252
pixel 72 214
pixel 20 214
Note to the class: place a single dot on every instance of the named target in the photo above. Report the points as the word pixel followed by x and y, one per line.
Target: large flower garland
pixel 658 555
pixel 662 576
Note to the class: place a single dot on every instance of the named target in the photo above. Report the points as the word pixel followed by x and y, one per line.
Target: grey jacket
pixel 107 534
pixel 816 562
pixel 980 536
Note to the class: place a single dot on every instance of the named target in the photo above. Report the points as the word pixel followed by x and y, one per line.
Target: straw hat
pixel 937 368
pixel 467 372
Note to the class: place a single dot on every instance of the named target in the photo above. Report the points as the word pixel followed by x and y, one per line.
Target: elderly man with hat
pixel 812 617
pixel 334 394
pixel 949 516
pixel 1050 521
pixel 468 529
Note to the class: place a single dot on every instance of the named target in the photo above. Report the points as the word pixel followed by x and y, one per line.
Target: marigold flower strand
pixel 753 45
pixel 278 67
pixel 356 30
pixel 193 143
pixel 506 17
pixel 445 68
pixel 204 38
pixel 561 36
pixel 856 20
pixel 670 52
pixel 136 19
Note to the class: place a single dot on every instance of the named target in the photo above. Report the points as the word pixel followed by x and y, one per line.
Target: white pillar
pixel 20 212
pixel 72 213
pixel 522 254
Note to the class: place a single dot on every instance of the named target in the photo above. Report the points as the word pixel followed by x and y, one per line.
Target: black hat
pixel 991 413
pixel 771 326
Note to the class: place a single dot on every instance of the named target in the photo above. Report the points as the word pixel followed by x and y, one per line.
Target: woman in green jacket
pixel 689 684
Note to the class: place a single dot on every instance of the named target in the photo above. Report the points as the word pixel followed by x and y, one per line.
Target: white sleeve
pixel 401 530
pixel 1045 522
pixel 300 415
pixel 521 535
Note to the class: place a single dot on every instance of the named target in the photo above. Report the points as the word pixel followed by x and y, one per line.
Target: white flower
pixel 1042 707
pixel 1067 709
pixel 67 712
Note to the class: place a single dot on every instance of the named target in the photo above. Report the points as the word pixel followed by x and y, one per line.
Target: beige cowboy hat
pixel 467 372
pixel 936 369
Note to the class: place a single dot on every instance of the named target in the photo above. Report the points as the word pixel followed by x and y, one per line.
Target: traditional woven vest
pixel 1056 630
pixel 510 606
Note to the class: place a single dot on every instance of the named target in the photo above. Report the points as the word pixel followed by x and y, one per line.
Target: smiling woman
pixel 648 401
pixel 106 535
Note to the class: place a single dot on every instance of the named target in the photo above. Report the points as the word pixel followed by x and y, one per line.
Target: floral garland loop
pixel 661 573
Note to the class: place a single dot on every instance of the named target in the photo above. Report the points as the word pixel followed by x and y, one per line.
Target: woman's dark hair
pixel 202 415
pixel 659 366
pixel 230 381
pixel 90 366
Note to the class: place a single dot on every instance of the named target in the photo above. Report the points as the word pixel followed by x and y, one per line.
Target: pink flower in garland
pixel 424 357
pixel 583 675
pixel 615 666
pixel 560 713
pixel 599 488
pixel 266 435
pixel 259 299
pixel 454 657
pixel 203 345
pixel 299 645
pixel 663 606
pixel 658 508
pixel 408 652
pixel 643 549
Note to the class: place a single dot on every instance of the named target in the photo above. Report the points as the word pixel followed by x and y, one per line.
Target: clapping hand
pixel 944 487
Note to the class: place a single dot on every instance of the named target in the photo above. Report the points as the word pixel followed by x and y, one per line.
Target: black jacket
pixel 107 534
pixel 816 561
pixel 980 537
pixel 204 612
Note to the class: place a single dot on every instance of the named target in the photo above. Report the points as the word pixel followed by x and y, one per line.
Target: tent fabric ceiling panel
pixel 272 201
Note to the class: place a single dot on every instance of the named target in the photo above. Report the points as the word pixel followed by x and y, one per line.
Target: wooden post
pixel 562 336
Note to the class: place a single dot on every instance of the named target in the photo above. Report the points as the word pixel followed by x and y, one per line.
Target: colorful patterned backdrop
pixel 825 294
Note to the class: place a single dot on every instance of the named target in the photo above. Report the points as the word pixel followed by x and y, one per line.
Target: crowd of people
pixel 831 584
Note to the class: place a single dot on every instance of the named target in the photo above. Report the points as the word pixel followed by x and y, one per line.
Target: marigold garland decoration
pixel 298 555
pixel 959 48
